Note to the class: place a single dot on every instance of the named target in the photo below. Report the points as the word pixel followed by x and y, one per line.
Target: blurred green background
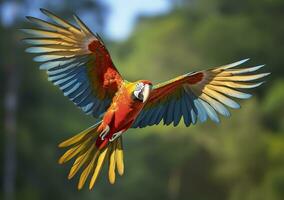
pixel 240 159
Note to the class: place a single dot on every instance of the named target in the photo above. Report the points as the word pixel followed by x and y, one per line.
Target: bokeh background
pixel 240 159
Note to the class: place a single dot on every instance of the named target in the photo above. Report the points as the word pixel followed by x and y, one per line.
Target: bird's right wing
pixel 76 61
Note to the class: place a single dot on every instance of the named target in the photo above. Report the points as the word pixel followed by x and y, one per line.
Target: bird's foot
pixel 104 132
pixel 116 135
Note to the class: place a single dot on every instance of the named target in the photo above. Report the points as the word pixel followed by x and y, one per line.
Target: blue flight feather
pixel 210 111
pixel 177 112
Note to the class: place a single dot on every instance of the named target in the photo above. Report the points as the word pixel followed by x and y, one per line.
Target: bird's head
pixel 142 90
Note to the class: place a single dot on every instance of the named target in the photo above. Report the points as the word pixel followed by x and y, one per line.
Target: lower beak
pixel 146 92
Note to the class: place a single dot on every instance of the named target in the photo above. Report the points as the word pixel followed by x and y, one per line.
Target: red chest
pixel 121 114
pixel 124 110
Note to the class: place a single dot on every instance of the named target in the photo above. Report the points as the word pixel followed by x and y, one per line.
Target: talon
pixel 104 132
pixel 116 135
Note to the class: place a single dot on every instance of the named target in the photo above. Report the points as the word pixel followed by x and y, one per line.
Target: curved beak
pixel 146 92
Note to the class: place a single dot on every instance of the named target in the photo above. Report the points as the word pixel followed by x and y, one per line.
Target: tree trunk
pixel 10 126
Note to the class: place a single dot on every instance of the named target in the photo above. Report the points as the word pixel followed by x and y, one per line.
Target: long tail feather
pixel 119 157
pixel 89 159
pixel 98 168
pixel 111 169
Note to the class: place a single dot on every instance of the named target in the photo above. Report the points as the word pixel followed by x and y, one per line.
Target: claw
pixel 116 135
pixel 104 132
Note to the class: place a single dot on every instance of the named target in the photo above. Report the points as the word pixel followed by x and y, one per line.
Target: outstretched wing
pixel 199 95
pixel 76 61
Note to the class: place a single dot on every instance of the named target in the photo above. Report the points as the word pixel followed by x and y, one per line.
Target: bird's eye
pixel 139 86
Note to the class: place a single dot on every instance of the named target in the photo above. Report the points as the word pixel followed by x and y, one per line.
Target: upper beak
pixel 146 92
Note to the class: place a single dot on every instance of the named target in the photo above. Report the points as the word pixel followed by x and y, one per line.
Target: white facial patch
pixel 139 86
pixel 138 90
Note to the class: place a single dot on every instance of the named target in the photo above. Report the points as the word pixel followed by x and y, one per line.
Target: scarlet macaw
pixel 77 61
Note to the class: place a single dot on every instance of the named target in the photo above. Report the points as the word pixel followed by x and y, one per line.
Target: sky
pixel 123 14
pixel 120 20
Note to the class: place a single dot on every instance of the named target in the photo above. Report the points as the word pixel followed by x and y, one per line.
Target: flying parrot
pixel 78 63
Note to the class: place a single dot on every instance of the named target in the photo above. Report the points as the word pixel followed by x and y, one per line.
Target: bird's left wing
pixel 76 61
pixel 198 96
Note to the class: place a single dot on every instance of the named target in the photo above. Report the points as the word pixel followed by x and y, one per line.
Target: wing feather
pixel 76 61
pixel 200 95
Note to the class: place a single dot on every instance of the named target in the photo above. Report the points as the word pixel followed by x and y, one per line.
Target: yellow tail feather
pixel 90 159
pixel 119 156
